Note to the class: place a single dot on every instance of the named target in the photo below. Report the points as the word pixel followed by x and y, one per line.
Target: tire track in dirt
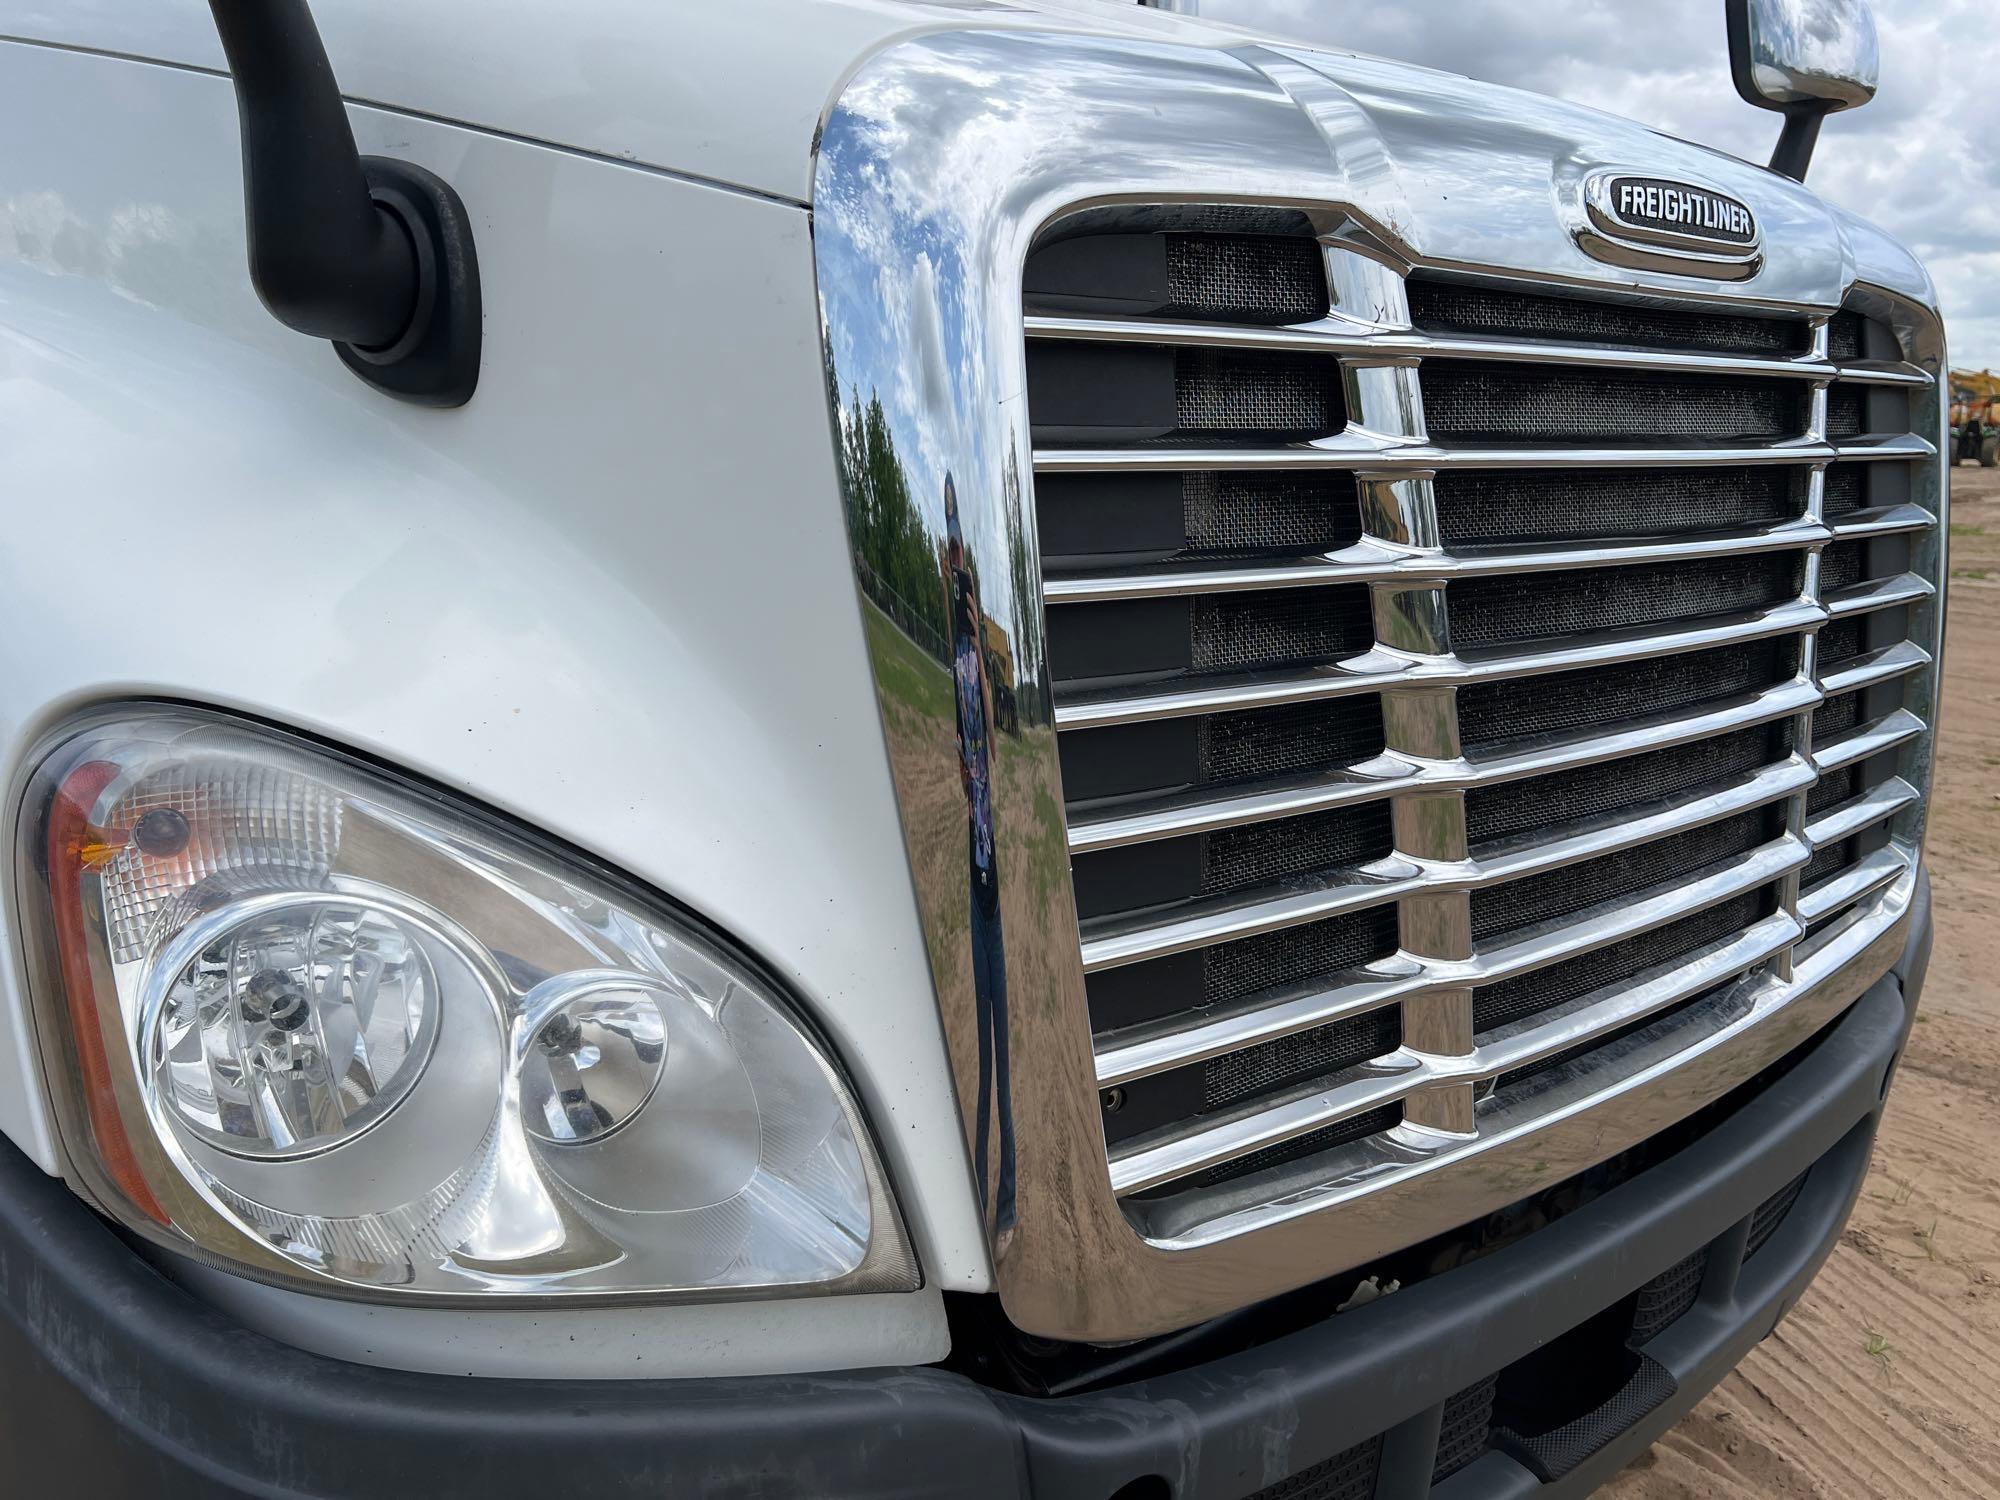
pixel 1885 1380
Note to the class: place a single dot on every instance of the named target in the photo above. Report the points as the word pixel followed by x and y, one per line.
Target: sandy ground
pixel 1885 1381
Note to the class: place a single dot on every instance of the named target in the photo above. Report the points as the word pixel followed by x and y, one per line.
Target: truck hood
pixel 732 91
pixel 736 94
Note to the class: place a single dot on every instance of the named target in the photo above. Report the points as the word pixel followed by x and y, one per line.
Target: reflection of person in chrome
pixel 975 773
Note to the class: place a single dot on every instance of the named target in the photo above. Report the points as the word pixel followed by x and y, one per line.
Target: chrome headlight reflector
pixel 311 1021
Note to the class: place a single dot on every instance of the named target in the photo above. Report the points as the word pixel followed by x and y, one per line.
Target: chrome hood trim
pixel 942 160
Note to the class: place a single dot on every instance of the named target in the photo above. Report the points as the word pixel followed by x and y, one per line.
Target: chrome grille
pixel 1539 684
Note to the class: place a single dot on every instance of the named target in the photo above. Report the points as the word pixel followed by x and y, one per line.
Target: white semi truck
pixel 836 747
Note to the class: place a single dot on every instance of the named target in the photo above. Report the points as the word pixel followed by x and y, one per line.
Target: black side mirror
pixel 1805 59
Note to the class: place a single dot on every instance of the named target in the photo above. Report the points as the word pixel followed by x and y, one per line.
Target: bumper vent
pixel 1618 614
pixel 1348 1475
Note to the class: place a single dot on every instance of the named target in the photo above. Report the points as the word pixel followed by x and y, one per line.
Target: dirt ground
pixel 1885 1380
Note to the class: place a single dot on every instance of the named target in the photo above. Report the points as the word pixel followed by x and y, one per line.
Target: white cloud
pixel 1923 160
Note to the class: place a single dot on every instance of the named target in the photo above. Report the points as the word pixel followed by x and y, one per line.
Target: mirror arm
pixel 1794 151
pixel 372 253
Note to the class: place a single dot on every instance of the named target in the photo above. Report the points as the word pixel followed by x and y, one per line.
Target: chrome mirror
pixel 1804 58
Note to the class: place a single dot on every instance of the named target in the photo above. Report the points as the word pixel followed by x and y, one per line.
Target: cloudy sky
pixel 1923 160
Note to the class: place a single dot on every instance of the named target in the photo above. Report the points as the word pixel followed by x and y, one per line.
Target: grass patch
pixel 1902 1195
pixel 1878 1348
pixel 1978 575
pixel 1968 531
pixel 903 674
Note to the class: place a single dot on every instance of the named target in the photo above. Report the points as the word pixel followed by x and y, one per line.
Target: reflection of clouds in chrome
pixel 1793 41
pixel 909 164
pixel 926 340
pixel 1831 37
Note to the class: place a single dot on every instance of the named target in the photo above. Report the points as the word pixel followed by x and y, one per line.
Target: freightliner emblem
pixel 1665 224
pixel 1677 208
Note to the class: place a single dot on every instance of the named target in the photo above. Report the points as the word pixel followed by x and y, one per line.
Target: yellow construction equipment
pixel 1975 417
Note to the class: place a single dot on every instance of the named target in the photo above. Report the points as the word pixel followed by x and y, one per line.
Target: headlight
pixel 317 1023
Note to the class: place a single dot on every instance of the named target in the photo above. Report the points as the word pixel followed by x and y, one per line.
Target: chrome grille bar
pixel 1351 453
pixel 1339 336
pixel 1389 880
pixel 1891 732
pixel 1854 884
pixel 1383 566
pixel 1387 668
pixel 1888 520
pixel 1884 665
pixel 1880 593
pixel 1623 918
pixel 1877 805
pixel 1390 773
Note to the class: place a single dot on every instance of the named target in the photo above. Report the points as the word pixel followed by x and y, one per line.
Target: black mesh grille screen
pixel 1275 742
pixel 1843 336
pixel 1846 490
pixel 1836 716
pixel 1280 960
pixel 1668 1295
pixel 1469 400
pixel 1292 1060
pixel 1258 853
pixel 1491 713
pixel 1846 411
pixel 1086 519
pixel 1535 606
pixel 1542 898
pixel 1448 307
pixel 1292 961
pixel 1497 1004
pixel 1245 279
pixel 1516 807
pixel 1235 513
pixel 1239 390
pixel 1255 1076
pixel 1841 641
pixel 1828 862
pixel 1834 789
pixel 1842 565
pixel 1770 1215
pixel 1468 1416
pixel 1492 507
pixel 1290 627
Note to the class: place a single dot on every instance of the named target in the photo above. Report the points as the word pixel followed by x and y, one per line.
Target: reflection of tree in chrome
pixel 898 556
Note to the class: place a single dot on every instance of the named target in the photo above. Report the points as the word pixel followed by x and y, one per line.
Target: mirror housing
pixel 1805 59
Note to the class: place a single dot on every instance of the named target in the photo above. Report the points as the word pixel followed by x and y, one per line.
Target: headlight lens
pixel 324 1025
pixel 288 1029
